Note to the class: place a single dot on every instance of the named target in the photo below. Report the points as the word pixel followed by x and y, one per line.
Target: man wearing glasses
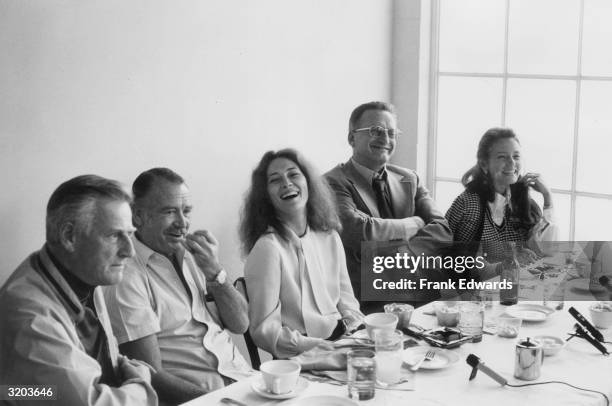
pixel 378 201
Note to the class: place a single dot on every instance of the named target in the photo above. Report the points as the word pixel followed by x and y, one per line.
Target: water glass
pixel 389 346
pixel 487 297
pixel 554 290
pixel 471 319
pixel 403 311
pixel 361 371
pixel 447 313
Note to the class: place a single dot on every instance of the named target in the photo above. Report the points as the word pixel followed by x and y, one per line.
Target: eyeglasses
pixel 377 131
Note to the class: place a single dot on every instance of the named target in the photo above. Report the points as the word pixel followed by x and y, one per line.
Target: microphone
pixel 594 332
pixel 473 361
pixel 583 334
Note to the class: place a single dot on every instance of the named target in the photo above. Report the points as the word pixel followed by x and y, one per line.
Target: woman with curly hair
pixel 495 206
pixel 299 289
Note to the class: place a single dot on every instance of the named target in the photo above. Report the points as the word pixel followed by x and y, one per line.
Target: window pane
pixel 445 194
pixel 593 219
pixel 562 204
pixel 596 38
pixel 543 36
pixel 467 107
pixel 472 35
pixel 561 210
pixel 594 141
pixel 541 112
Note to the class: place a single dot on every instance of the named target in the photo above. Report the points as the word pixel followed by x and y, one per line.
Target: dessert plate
pixel 529 312
pixel 442 359
pixel 258 386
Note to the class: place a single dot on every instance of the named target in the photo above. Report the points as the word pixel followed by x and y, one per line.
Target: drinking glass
pixel 361 371
pixel 403 311
pixel 554 290
pixel 447 313
pixel 471 319
pixel 389 346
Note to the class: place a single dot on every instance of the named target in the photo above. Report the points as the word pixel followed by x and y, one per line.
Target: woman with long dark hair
pixel 296 276
pixel 495 206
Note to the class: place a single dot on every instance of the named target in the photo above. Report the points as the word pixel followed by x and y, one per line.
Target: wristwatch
pixel 220 278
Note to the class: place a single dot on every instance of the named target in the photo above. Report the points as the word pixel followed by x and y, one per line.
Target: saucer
pixel 258 386
pixel 323 401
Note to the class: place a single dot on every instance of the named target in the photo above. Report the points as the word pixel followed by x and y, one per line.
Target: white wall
pixel 116 87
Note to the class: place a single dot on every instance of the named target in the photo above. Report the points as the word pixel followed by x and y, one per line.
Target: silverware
pixel 428 357
pixel 231 401
pixel 361 340
pixel 322 379
pixel 354 346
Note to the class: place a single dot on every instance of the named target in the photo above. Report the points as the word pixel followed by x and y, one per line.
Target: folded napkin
pixel 407 378
pixel 319 359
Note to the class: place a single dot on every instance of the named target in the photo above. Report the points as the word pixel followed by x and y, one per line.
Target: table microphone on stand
pixel 473 361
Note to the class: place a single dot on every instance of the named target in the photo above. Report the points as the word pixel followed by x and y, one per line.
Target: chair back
pixel 240 285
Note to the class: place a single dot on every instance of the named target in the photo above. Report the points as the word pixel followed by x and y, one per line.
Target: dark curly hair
pixel 476 181
pixel 258 213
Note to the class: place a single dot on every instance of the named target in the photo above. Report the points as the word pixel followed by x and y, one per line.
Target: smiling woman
pixel 288 192
pixel 298 284
pixel 495 206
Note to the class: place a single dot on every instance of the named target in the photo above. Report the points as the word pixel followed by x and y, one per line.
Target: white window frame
pixel 435 73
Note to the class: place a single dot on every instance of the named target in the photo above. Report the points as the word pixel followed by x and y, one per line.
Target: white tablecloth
pixel 579 364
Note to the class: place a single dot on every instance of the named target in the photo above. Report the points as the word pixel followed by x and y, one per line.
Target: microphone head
pixel 472 360
pixel 604 280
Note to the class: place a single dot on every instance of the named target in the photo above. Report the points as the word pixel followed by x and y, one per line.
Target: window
pixel 542 68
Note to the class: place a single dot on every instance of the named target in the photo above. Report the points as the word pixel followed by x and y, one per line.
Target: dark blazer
pixel 360 217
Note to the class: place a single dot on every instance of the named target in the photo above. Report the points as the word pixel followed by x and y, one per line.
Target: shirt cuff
pixel 549 214
pixel 412 225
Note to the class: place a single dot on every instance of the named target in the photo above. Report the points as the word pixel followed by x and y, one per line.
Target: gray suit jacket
pixel 361 220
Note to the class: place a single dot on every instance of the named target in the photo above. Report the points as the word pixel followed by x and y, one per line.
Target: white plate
pixel 258 386
pixel 442 359
pixel 582 285
pixel 322 401
pixel 529 312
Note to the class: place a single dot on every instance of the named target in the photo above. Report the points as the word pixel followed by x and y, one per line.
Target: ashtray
pixel 446 337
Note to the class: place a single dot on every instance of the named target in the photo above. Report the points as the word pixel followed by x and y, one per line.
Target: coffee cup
pixel 280 376
pixel 381 321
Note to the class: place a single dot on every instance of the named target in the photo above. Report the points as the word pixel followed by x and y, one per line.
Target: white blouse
pixel 298 290
pixel 545 230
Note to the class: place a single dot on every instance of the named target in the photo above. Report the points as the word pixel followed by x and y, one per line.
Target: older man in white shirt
pixel 172 308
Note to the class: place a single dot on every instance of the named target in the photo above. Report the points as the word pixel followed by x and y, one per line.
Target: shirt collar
pixel 367 173
pixel 501 200
pixel 81 289
pixel 147 254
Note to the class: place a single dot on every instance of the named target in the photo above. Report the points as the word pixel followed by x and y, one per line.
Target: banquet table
pixel 579 364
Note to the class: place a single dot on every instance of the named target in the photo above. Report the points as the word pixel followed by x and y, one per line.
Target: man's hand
pixel 205 249
pixel 132 369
